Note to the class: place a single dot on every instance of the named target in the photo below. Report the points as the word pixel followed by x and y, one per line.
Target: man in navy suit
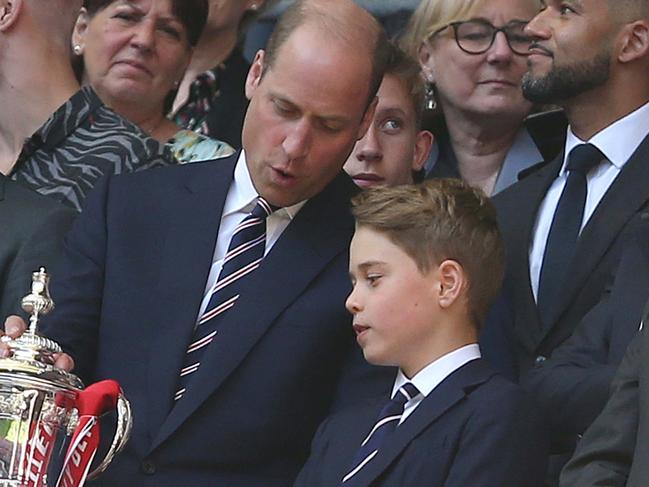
pixel 143 262
pixel 565 226
pixel 425 264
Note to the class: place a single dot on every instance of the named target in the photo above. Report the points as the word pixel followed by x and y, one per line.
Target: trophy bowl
pixel 49 424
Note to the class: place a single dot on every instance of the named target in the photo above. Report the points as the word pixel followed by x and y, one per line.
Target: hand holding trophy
pixel 43 407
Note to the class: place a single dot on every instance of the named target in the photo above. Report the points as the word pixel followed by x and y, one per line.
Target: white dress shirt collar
pixel 618 141
pixel 243 195
pixel 428 378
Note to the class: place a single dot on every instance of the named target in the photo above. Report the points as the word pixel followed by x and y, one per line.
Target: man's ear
pixel 452 282
pixel 9 12
pixel 634 41
pixel 423 144
pixel 255 73
pixel 368 116
pixel 80 30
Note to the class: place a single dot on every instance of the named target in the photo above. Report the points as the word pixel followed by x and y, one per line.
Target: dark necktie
pixel 386 423
pixel 244 255
pixel 564 231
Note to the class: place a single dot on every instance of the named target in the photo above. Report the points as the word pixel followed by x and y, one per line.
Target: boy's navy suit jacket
pixel 474 429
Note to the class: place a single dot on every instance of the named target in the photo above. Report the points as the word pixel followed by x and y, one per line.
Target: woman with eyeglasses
pixel 473 56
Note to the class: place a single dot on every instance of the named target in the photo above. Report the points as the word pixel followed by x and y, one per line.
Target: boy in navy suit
pixel 426 262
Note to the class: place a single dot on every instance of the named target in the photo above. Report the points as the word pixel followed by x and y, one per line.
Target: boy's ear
pixel 9 11
pixel 423 144
pixel 452 282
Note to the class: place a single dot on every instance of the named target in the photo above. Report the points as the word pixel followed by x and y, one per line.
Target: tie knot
pixel 405 393
pixel 583 158
pixel 263 209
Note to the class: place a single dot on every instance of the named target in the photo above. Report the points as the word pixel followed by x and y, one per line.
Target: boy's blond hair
pixel 437 220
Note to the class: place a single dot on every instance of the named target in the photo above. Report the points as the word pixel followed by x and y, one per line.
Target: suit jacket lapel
pixel 528 328
pixel 191 210
pixel 306 243
pixel 628 193
pixel 446 395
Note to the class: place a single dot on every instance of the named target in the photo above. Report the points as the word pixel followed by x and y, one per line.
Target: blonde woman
pixel 473 56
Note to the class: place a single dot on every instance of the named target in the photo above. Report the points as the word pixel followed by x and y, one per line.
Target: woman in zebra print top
pixel 134 54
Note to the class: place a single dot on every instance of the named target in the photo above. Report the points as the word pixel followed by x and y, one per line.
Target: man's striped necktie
pixel 386 423
pixel 244 255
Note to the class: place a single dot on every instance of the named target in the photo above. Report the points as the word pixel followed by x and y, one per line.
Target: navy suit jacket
pixel 128 295
pixel 572 386
pixel 474 429
pixel 598 252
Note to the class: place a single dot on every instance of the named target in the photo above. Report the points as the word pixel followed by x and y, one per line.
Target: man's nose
pixel 298 140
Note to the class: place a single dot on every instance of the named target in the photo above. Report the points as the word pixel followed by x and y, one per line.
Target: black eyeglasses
pixel 477 36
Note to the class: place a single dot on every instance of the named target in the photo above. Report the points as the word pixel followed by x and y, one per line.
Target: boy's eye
pixel 392 125
pixel 373 279
pixel 565 9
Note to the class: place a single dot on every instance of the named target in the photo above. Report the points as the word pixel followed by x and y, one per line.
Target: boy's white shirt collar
pixel 434 373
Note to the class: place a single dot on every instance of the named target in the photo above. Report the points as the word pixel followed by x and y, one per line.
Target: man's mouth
pixel 536 48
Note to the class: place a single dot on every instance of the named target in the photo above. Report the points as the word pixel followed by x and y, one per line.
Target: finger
pixel 63 361
pixel 15 326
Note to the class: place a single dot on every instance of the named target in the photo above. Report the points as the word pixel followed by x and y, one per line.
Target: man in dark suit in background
pixel 31 234
pixel 614 451
pixel 149 259
pixel 564 226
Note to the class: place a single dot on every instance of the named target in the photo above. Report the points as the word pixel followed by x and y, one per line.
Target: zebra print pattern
pixel 82 141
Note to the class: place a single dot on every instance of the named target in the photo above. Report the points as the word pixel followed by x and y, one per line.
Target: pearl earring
pixel 77 49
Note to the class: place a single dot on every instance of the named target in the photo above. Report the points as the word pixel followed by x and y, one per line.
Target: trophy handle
pixel 122 434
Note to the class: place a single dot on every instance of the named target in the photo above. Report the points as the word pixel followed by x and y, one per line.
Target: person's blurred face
pixel 306 112
pixel 480 84
pixel 392 147
pixel 572 50
pixel 134 52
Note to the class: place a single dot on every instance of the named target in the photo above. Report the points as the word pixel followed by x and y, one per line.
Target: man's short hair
pixel 407 70
pixel 353 30
pixel 437 220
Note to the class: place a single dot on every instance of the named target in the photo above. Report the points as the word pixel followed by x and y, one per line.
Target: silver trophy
pixel 38 405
